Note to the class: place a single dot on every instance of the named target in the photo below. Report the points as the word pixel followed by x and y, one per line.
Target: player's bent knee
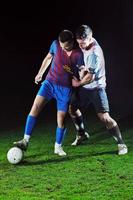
pixel 104 117
pixel 107 120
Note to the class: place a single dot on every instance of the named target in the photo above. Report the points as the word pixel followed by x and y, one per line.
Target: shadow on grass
pixel 101 135
pixel 63 159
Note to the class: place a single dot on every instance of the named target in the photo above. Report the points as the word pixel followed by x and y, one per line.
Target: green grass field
pixel 92 171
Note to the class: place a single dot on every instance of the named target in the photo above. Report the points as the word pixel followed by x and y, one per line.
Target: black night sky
pixel 26 32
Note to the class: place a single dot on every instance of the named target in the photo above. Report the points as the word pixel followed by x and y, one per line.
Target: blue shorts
pixel 62 94
pixel 82 97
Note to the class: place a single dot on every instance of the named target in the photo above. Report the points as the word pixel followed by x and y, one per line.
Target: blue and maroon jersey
pixel 57 73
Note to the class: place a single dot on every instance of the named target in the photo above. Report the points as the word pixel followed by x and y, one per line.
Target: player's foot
pixel 122 149
pixel 59 150
pixel 80 138
pixel 22 144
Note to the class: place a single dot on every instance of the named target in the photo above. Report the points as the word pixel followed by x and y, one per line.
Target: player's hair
pixel 83 31
pixel 66 36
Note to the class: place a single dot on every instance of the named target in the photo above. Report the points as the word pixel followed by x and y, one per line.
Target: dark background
pixel 26 32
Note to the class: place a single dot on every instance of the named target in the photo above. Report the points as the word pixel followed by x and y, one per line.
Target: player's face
pixel 84 43
pixel 66 46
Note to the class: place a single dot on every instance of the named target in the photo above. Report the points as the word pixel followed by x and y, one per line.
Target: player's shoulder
pixel 95 43
pixel 55 42
pixel 54 46
pixel 96 46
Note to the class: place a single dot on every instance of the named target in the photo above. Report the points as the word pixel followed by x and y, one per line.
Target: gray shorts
pixel 82 97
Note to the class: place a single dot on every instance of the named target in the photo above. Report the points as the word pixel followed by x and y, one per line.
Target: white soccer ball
pixel 15 155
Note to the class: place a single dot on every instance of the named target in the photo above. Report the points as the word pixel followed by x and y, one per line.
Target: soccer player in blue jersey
pixel 93 91
pixel 63 54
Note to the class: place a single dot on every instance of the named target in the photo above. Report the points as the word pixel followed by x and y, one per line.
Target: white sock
pixel 57 145
pixel 27 137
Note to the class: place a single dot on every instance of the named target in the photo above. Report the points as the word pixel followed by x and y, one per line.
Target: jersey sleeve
pixel 53 47
pixel 95 61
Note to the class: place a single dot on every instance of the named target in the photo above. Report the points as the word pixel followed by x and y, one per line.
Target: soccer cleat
pixel 80 138
pixel 122 149
pixel 59 150
pixel 22 144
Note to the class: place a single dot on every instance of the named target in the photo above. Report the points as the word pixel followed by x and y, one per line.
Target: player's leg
pixel 37 106
pixel 43 96
pixel 114 130
pixel 100 102
pixel 60 133
pixel 62 96
pixel 77 119
pixel 78 99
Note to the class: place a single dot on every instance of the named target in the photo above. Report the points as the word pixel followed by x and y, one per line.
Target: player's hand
pixel 83 70
pixel 38 78
pixel 75 82
pixel 82 73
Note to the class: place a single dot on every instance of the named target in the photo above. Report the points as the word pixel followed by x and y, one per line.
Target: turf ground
pixel 92 171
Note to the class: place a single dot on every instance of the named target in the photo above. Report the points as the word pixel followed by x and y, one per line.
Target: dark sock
pixel 115 132
pixel 78 122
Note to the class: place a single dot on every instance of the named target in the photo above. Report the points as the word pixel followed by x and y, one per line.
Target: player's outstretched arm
pixel 46 62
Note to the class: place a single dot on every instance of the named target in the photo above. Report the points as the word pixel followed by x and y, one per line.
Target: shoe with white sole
pixel 22 144
pixel 80 138
pixel 59 150
pixel 122 149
